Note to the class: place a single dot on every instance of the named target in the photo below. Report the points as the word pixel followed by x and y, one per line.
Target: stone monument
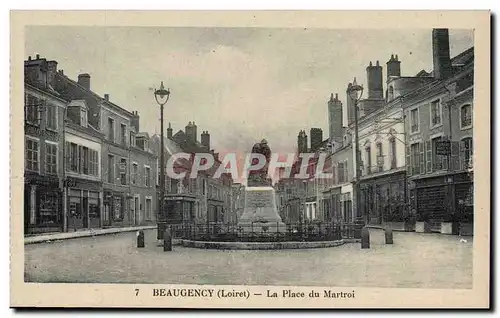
pixel 260 212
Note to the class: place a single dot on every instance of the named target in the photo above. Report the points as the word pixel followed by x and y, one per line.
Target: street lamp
pixel 355 88
pixel 161 96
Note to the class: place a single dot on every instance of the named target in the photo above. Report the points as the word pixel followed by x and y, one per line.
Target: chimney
pixel 106 97
pixel 38 56
pixel 84 80
pixel 134 121
pixel 169 131
pixel 374 77
pixel 51 72
pixel 205 139
pixel 393 67
pixel 441 53
pixel 316 138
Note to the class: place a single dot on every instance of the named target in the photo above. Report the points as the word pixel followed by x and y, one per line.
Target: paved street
pixel 415 260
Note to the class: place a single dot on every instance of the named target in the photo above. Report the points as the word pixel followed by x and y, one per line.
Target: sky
pixel 240 84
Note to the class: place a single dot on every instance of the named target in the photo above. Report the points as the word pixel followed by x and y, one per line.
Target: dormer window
pixel 83 117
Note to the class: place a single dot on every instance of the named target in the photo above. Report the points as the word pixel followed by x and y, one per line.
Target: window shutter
pixel 422 158
pixel 67 156
pixel 462 155
pixel 455 155
pixel 428 146
pixel 346 178
pixel 408 161
pixel 79 159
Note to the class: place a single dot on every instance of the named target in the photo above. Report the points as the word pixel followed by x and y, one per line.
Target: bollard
pixel 140 238
pixel 388 236
pixel 365 237
pixel 167 240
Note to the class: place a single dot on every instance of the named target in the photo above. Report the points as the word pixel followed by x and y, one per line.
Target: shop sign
pixel 443 147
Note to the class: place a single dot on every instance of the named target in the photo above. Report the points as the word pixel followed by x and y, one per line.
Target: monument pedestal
pixel 260 213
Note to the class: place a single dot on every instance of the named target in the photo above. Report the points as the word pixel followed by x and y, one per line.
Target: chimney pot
pixel 84 80
pixel 29 58
pixel 371 63
pixel 378 63
pixel 38 56
pixel 106 97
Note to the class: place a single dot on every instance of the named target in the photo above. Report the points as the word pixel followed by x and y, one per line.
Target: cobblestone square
pixel 414 261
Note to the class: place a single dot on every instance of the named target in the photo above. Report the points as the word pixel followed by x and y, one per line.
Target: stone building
pixel 44 111
pixel 82 151
pixel 113 124
pixel 440 141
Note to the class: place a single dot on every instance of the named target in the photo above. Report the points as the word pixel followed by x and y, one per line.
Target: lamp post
pixel 161 96
pixel 355 88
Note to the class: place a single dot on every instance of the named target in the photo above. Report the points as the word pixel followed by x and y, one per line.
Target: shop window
pixel 48 208
pixel 32 155
pixel 50 158
pixel 118 208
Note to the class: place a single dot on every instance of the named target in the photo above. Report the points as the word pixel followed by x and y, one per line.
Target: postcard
pixel 250 159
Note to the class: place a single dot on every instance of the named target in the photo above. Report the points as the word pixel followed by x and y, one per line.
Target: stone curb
pixel 259 245
pixel 70 235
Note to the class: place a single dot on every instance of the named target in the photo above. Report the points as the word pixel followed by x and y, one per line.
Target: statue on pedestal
pixel 259 178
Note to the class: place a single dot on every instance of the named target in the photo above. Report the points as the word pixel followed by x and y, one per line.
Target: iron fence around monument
pixel 265 232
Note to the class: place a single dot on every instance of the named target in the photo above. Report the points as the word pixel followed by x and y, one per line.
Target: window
pixel 466 153
pixel 83 117
pixel 123 171
pixel 94 163
pixel 437 160
pixel 32 155
pixel 50 158
pixel 435 113
pixel 32 108
pixel 85 160
pixel 111 129
pixel 415 157
pixel 132 139
pixel 380 157
pixel 346 175
pixel 51 117
pixel 134 173
pixel 414 120
pixel 123 134
pixel 466 116
pixel 340 172
pixel 147 176
pixel 392 149
pixel 368 159
pixel 73 157
pixel 149 209
pixel 111 169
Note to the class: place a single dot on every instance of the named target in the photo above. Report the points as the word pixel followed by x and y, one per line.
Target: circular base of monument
pixel 259 245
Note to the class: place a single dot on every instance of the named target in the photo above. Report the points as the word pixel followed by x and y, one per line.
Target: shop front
pixel 115 209
pixel 84 204
pixel 444 201
pixel 383 199
pixel 42 204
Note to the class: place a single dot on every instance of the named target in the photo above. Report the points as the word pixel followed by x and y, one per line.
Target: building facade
pixel 82 166
pixel 440 142
pixel 44 111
